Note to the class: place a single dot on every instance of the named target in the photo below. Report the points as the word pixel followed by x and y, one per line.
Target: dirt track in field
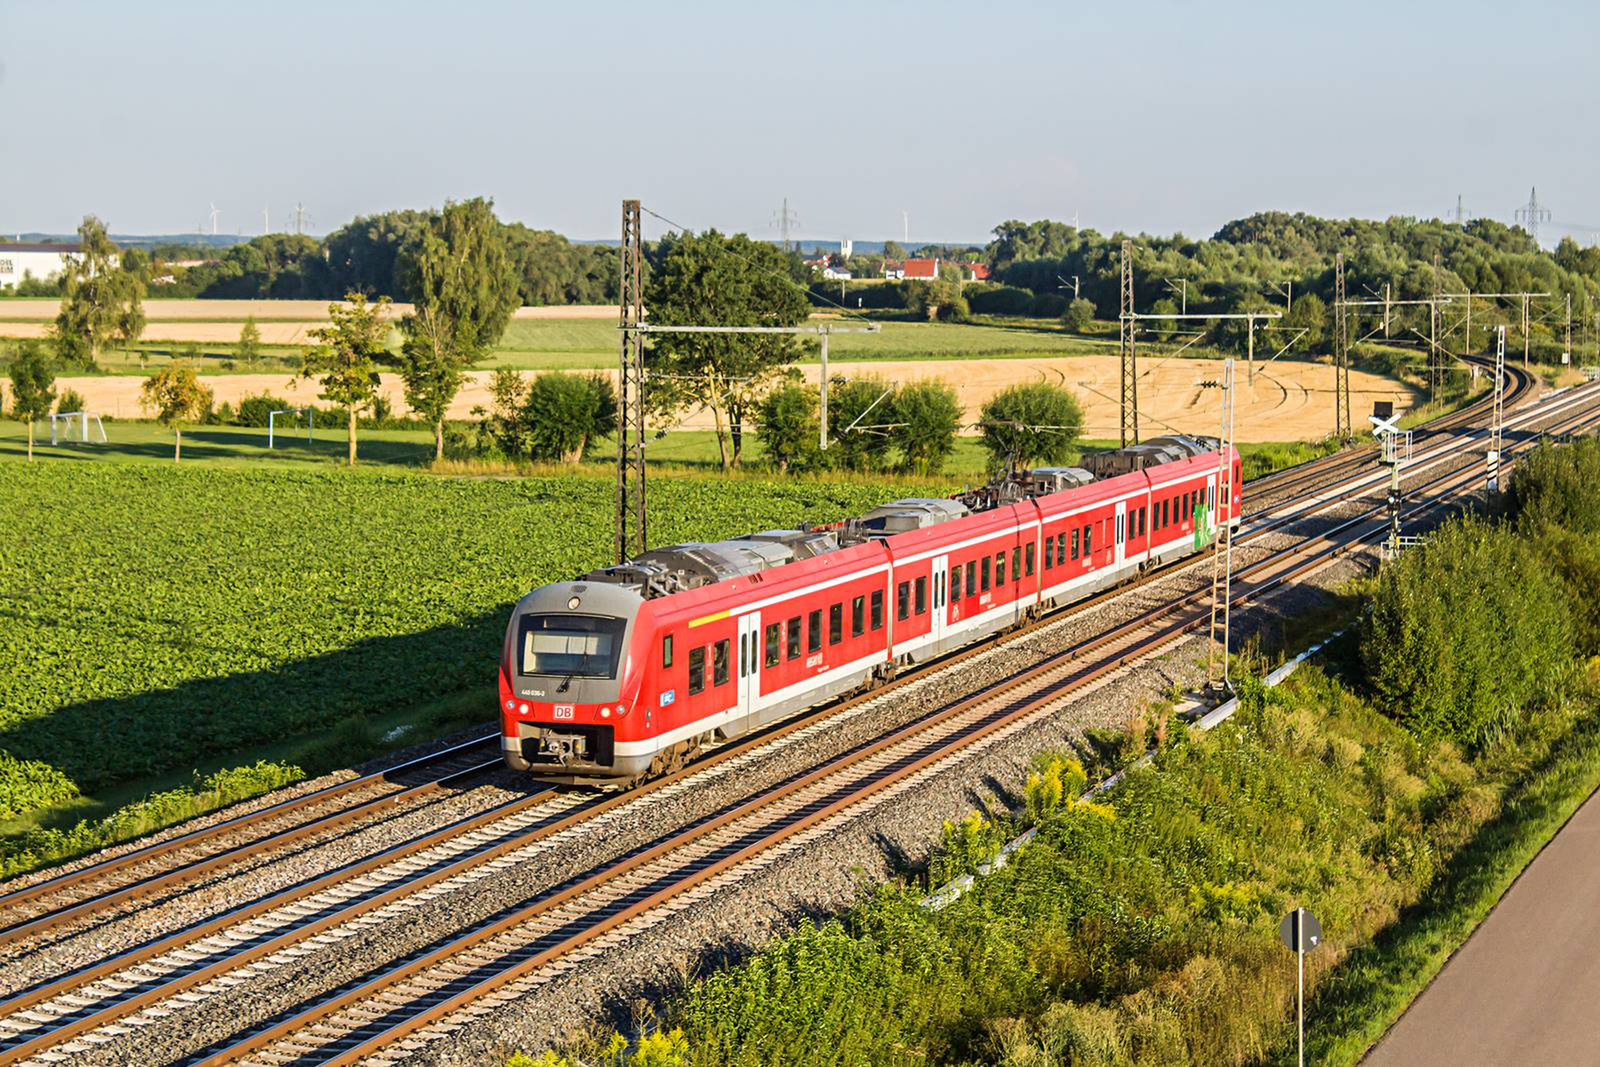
pixel 1284 402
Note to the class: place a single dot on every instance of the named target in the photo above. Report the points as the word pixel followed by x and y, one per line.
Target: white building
pixel 22 259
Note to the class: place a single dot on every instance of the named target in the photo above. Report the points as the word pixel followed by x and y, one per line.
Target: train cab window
pixel 999 568
pixel 666 651
pixel 902 601
pixel 972 578
pixel 835 624
pixel 1049 552
pixel 697 669
pixel 922 596
pixel 858 616
pixel 1016 563
pixel 772 645
pixel 719 662
pixel 814 631
pixel 1027 560
pixel 877 609
pixel 792 637
pixel 580 646
pixel 955 582
pixel 984 574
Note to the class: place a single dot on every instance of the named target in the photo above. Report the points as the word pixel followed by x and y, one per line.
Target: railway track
pixel 429 994
pixel 53 1018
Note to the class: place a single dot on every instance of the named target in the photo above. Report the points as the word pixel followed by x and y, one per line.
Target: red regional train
pixel 630 670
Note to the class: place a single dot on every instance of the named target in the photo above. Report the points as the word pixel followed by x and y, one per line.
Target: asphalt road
pixel 1525 988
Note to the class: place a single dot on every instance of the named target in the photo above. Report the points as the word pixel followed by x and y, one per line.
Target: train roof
pixel 678 569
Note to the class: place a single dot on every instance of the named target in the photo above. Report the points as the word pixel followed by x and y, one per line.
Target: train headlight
pixel 523 708
pixel 605 713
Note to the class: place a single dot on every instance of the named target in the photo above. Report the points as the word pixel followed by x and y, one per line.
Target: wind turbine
pixel 214 214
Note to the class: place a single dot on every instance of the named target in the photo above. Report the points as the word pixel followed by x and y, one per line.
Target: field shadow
pixel 105 741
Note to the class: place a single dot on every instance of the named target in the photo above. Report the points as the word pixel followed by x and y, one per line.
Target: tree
pixel 249 346
pixel 177 397
pixel 1079 314
pixel 463 289
pixel 100 300
pixel 1029 424
pixel 33 388
pixel 346 361
pixel 930 415
pixel 71 401
pixel 564 412
pixel 893 252
pixel 712 280
pixel 1309 313
pixel 786 423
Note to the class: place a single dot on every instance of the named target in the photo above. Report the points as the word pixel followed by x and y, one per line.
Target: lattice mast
pixel 1344 428
pixel 630 502
pixel 1130 365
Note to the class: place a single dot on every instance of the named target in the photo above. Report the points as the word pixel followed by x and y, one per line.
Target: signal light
pixel 511 705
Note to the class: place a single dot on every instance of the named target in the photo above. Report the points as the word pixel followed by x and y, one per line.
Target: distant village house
pixel 29 259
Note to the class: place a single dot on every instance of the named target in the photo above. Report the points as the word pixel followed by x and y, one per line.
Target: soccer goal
pixel 63 426
pixel 272 420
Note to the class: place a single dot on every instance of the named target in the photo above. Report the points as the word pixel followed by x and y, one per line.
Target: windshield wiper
pixel 566 683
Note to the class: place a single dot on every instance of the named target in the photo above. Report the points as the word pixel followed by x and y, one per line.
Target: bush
pixel 1465 633
pixel 564 412
pixel 70 401
pixel 1553 487
pixel 27 785
pixel 1033 423
pixel 930 415
pixel 256 410
pixel 1078 315
pixel 786 425
pixel 857 412
pixel 1000 300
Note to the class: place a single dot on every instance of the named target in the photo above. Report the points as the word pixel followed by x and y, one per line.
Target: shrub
pixel 857 412
pixel 1033 423
pixel 1078 314
pixel 26 785
pixel 1466 632
pixel 70 401
pixel 564 412
pixel 1000 300
pixel 930 415
pixel 256 410
pixel 786 425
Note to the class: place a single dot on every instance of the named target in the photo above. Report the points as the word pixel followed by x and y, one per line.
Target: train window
pixel 1027 560
pixel 582 646
pixel 1088 541
pixel 666 651
pixel 772 645
pixel 955 582
pixel 1225 488
pixel 922 596
pixel 902 600
pixel 1061 546
pixel 1049 552
pixel 719 662
pixel 972 578
pixel 792 637
pixel 858 616
pixel 1141 522
pixel 984 574
pixel 697 669
pixel 1016 563
pixel 999 568
pixel 835 624
pixel 744 655
pixel 1074 544
pixel 1161 514
pixel 814 631
pixel 877 609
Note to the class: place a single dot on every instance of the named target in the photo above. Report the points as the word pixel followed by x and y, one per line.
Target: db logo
pixel 561 711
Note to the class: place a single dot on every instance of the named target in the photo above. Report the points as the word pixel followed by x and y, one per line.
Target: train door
pixel 1210 508
pixel 941 598
pixel 749 662
pixel 1120 534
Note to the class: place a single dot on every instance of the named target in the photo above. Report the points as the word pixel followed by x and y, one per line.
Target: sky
pixel 942 118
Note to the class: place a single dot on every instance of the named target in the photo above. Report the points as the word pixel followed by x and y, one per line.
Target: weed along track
pixel 363 958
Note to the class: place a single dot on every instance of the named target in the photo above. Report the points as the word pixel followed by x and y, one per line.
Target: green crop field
pixel 159 618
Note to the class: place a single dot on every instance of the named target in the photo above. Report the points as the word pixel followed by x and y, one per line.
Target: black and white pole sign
pixel 1301 933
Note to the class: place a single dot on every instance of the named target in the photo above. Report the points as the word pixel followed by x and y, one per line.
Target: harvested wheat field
pixel 1286 401
pixel 282 322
